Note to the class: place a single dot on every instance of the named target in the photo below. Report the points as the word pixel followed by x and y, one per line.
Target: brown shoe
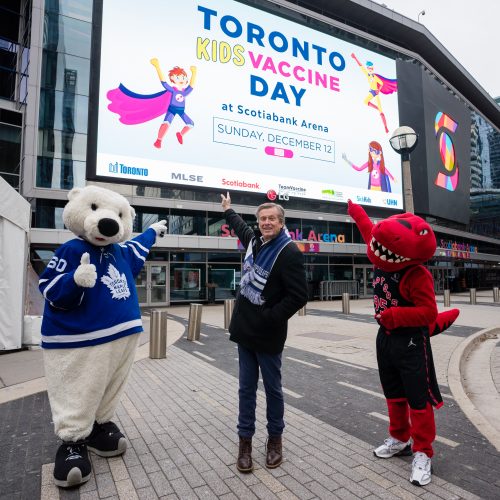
pixel 274 456
pixel 244 463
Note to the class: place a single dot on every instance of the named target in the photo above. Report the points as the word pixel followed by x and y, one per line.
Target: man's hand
pixel 226 201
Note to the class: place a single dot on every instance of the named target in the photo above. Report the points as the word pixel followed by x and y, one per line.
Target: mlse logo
pixel 442 123
pixel 187 177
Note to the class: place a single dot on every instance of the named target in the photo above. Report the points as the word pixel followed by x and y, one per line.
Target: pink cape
pixel 137 108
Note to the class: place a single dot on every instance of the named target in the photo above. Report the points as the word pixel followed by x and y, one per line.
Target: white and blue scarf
pixel 256 271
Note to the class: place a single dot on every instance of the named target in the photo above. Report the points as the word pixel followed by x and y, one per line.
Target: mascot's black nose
pixel 108 227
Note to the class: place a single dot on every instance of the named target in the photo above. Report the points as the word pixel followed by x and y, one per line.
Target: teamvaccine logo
pixel 442 124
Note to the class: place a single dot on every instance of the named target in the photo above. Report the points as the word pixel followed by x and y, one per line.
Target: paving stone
pixel 105 485
pixel 126 490
pixel 147 493
pixel 160 483
pixel 205 493
pixel 139 477
pixel 118 469
pixel 296 487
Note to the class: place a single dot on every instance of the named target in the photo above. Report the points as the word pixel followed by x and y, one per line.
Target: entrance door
pixel 364 276
pixel 152 285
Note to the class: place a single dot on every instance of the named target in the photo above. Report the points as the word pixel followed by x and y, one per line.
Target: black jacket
pixel 264 328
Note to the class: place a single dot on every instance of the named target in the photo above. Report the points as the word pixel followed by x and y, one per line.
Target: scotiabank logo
pixel 238 183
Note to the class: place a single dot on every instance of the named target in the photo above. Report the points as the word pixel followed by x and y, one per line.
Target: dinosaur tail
pixel 443 321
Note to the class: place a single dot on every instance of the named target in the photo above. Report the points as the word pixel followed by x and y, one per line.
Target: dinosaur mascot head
pixel 397 242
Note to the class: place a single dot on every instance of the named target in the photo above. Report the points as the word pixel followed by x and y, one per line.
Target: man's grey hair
pixel 265 206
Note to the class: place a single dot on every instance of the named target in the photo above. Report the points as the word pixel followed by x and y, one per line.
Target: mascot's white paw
pixel 160 228
pixel 85 274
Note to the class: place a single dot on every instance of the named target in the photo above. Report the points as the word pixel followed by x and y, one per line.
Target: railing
pixel 330 289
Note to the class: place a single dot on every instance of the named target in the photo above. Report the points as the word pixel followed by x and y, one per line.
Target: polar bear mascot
pixel 91 326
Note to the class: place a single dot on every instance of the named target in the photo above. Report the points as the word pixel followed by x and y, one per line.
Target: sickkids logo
pixel 120 168
pixel 442 124
pixel 363 199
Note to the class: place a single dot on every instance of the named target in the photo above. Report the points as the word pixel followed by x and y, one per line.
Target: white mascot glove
pixel 85 274
pixel 160 228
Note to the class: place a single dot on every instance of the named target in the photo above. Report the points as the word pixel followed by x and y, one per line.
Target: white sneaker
pixel 421 469
pixel 393 447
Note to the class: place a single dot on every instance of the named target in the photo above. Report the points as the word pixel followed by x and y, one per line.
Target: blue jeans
pixel 270 367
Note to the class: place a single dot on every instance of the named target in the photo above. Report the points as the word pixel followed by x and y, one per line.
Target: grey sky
pixel 469 30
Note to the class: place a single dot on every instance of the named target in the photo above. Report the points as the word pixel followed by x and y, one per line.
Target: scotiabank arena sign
pixel 296 235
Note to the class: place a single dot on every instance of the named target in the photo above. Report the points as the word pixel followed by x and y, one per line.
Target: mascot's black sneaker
pixel 72 466
pixel 106 440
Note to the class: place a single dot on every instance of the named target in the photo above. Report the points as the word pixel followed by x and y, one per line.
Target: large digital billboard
pixel 220 95
pixel 440 165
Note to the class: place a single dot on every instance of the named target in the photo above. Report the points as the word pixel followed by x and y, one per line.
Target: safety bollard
pixel 228 312
pixel 194 323
pixel 496 294
pixel 345 303
pixel 158 335
pixel 472 295
pixel 446 298
pixel 302 311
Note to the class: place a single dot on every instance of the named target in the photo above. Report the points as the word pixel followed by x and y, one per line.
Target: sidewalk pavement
pixel 179 414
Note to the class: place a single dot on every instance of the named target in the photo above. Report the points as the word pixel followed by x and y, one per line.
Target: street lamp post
pixel 421 13
pixel 404 141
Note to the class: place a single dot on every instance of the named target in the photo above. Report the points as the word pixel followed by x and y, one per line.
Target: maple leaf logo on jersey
pixel 117 283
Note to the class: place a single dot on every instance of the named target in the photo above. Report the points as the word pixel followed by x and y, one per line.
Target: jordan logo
pixel 411 343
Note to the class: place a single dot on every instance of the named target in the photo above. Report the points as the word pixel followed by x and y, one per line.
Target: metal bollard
pixel 302 311
pixel 496 294
pixel 158 335
pixel 345 303
pixel 472 295
pixel 228 312
pixel 194 323
pixel 446 298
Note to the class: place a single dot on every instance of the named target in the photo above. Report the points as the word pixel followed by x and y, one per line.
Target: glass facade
pixel 64 94
pixel 485 178
pixel 10 148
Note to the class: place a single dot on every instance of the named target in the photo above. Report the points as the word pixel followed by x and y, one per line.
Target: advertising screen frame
pixel 285 14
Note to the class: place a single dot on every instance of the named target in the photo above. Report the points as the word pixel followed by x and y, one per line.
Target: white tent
pixel 14 230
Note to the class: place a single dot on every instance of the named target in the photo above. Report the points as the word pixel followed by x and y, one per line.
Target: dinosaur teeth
pixel 377 253
pixel 383 257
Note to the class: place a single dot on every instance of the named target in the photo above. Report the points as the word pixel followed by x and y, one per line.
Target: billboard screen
pixel 440 165
pixel 224 96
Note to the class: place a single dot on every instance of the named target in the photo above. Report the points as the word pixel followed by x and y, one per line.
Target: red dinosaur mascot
pixel 405 309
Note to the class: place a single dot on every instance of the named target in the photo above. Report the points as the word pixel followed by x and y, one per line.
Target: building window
pixel 56 173
pixel 10 149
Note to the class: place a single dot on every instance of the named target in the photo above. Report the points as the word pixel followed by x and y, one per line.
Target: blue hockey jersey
pixel 77 317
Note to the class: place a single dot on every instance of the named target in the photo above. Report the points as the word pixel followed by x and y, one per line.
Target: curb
pixel 455 369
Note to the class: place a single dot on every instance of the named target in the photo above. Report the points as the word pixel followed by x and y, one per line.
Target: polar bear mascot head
pixel 98 215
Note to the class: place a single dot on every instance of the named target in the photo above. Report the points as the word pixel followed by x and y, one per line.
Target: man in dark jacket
pixel 272 289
